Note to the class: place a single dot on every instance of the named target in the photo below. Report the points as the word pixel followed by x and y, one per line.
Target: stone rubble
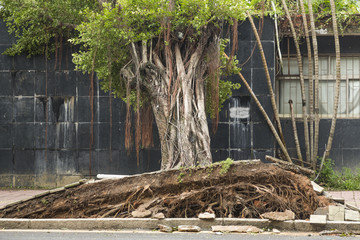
pixel 189 228
pixel 279 216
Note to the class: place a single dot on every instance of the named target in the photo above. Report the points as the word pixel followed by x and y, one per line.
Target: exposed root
pixel 245 191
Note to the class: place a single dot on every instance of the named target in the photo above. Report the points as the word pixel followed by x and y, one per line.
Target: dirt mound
pixel 244 189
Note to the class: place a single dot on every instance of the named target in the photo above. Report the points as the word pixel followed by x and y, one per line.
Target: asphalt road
pixel 113 235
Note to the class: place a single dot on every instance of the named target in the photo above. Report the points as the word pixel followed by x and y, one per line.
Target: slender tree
pixel 337 85
pixel 302 82
pixel 316 83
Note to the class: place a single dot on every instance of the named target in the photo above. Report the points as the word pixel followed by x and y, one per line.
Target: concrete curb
pixel 149 224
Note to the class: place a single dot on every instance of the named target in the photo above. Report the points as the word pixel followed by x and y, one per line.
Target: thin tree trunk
pixel 337 86
pixel 296 138
pixel 316 84
pixel 267 119
pixel 302 84
pixel 272 95
pixel 310 76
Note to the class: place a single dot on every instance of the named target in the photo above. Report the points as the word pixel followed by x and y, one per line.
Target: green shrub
pixel 344 180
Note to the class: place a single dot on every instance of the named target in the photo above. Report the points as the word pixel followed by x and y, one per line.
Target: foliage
pixel 36 23
pixel 344 180
pixel 225 166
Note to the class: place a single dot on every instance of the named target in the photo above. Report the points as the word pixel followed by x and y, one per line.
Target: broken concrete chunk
pixel 352 207
pixel 238 229
pixel 71 185
pixel 164 228
pixel 321 211
pixel 351 215
pixel 279 216
pixel 141 213
pixel 319 190
pixel 207 216
pixel 57 190
pixel 276 231
pixel 336 213
pixel 318 219
pixel 159 215
pixel 339 200
pixel 189 228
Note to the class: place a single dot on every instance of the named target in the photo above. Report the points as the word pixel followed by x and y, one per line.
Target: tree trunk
pixel 337 86
pixel 316 84
pixel 296 138
pixel 176 92
pixel 310 75
pixel 302 84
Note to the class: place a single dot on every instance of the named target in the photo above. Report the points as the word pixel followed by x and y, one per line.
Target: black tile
pixel 45 162
pixel 24 136
pixel 219 155
pixel 65 83
pixel 6 136
pixel 244 30
pixel 102 114
pixel 6 84
pixel 41 108
pixel 84 111
pixel 221 138
pixel 40 83
pixel 240 135
pixel 241 154
pixel 6 62
pixel 22 62
pixel 6 162
pixel 6 106
pixel 84 136
pixel 24 109
pixel 256 114
pixel 244 54
pixel 40 136
pixel 86 164
pixel 102 135
pixel 269 52
pixel 260 85
pixel 117 136
pixel 66 162
pixel 268 29
pixel 263 138
pixel 24 162
pixel 24 83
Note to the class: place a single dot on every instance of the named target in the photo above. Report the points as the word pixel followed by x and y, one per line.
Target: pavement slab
pixel 10 196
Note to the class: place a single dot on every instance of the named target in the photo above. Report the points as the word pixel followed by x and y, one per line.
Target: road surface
pixel 116 235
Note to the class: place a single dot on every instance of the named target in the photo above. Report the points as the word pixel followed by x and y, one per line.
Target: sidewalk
pixel 351 197
pixel 10 196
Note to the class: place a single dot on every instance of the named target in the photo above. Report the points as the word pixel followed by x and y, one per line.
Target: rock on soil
pixel 279 216
pixel 189 228
pixel 247 190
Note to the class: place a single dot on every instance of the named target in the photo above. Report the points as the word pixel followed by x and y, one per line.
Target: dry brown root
pixel 246 190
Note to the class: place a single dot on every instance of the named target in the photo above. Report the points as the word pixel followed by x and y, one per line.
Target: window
pixel 288 87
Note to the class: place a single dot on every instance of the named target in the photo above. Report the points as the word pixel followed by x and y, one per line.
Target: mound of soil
pixel 246 190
